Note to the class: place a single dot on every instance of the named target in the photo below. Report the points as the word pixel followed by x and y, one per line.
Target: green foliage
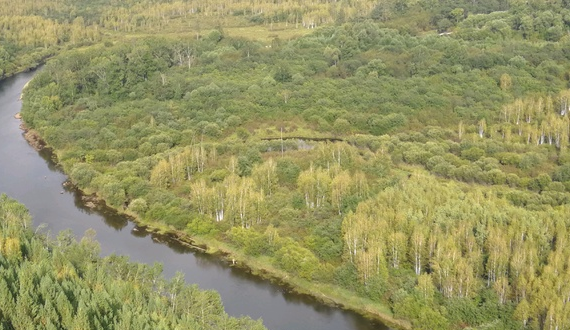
pixel 287 172
pixel 138 206
pixel 282 75
pixel 252 242
pixel 83 174
pixel 562 174
pixel 473 154
pixel 246 162
pixel 324 241
pixel 297 260
pixel 202 226
pixel 65 284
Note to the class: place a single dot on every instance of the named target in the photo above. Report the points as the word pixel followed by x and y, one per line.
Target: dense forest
pixel 31 31
pixel 60 283
pixel 411 153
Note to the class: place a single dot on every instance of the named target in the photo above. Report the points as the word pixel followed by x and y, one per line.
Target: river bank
pixel 324 293
pixel 262 267
pixel 24 69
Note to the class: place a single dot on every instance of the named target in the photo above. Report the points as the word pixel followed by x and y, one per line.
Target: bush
pixel 201 226
pixel 82 174
pixel 467 173
pixel 253 242
pixel 346 276
pixel 530 160
pixel 512 180
pixel 435 161
pixel 283 75
pixel 508 158
pixel 562 173
pixel 495 176
pixel 473 153
pixel 416 155
pixel 341 126
pixel 297 260
pixel 287 172
pixel 138 206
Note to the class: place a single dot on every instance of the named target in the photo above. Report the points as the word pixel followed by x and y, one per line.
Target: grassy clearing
pixel 285 129
pixel 267 33
pixel 236 27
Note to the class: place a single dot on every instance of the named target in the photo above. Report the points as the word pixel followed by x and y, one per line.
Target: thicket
pixel 443 189
pixel 64 284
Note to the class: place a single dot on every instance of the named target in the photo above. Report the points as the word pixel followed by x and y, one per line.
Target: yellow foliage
pixel 11 248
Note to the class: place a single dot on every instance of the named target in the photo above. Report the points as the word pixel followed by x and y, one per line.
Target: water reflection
pixel 85 205
pixel 116 222
pixel 46 155
pixel 139 232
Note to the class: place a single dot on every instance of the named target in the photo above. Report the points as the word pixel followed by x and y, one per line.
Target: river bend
pixel 33 179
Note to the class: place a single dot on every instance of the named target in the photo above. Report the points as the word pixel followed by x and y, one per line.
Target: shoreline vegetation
pixel 22 94
pixel 326 294
pixel 24 69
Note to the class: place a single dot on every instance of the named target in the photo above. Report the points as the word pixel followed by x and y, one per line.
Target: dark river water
pixel 33 179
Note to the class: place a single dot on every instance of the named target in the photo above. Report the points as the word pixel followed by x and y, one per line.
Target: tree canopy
pixel 64 284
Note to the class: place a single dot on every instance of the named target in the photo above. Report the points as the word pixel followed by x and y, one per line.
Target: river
pixel 33 179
